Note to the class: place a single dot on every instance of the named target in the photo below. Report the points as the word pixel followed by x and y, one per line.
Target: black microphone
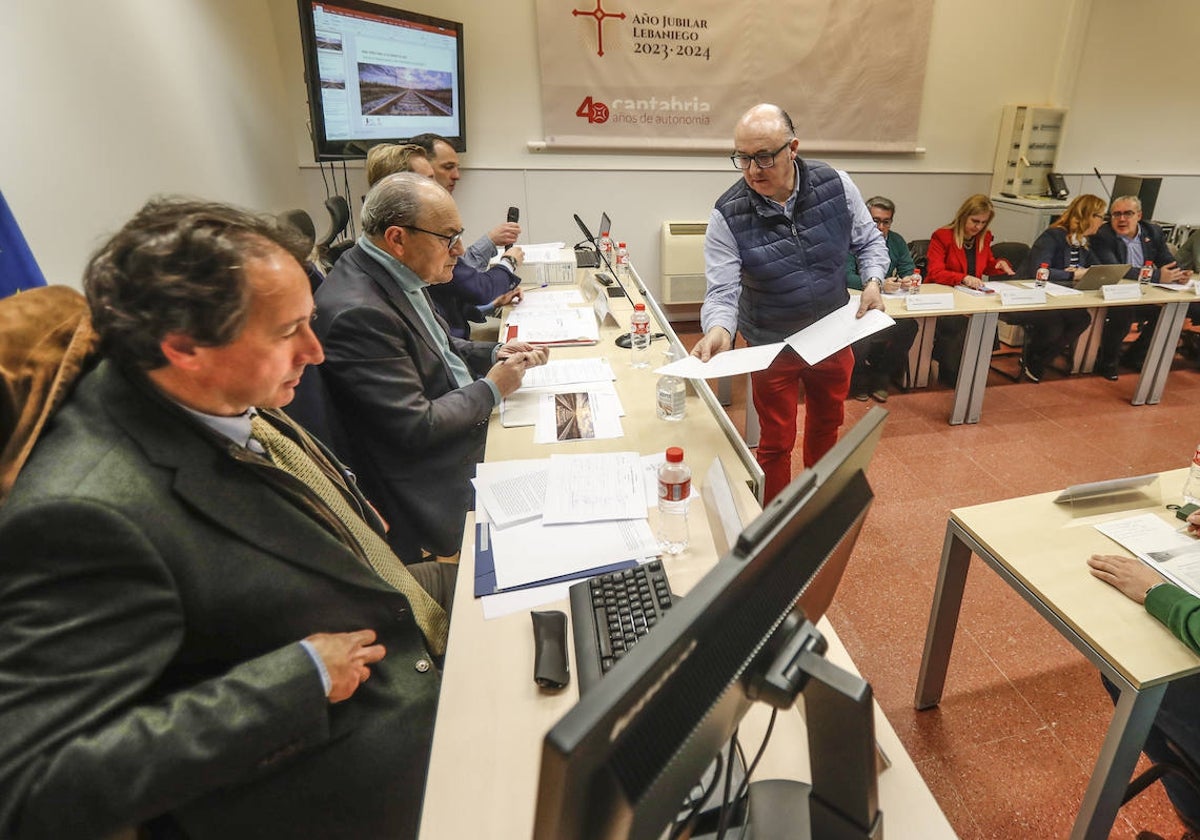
pixel 514 214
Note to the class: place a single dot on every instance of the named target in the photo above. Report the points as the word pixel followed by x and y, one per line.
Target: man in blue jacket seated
pixel 202 630
pixel 1127 239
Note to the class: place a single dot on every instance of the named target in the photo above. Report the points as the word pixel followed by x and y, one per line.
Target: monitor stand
pixel 842 803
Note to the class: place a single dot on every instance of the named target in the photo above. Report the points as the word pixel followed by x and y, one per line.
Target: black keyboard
pixel 611 612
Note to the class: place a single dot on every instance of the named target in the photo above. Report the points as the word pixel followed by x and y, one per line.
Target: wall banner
pixel 676 74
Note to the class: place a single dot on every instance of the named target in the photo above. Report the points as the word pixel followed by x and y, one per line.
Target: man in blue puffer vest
pixel 775 260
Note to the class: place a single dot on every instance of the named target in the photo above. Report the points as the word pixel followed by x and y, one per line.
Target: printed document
pixel 836 330
pixel 1167 549
pixel 595 487
pixel 729 363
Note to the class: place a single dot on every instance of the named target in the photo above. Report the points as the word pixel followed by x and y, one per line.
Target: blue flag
pixel 18 269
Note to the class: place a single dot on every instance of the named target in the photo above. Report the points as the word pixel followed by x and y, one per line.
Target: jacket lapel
pixel 210 479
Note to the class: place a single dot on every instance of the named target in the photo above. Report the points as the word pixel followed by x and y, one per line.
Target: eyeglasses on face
pixel 1123 214
pixel 451 239
pixel 882 222
pixel 765 160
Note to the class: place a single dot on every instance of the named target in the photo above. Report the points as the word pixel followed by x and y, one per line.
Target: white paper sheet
pixel 603 420
pixel 549 326
pixel 568 371
pixel 549 299
pixel 522 408
pixel 536 551
pixel 836 330
pixel 729 363
pixel 1167 549
pixel 512 500
pixel 543 251
pixel 594 487
pixel 1053 289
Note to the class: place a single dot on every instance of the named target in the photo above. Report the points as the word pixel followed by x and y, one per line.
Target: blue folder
pixel 485 567
pixel 18 269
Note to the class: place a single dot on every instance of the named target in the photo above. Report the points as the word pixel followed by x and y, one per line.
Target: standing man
pixel 1127 239
pixel 412 400
pixel 775 260
pixel 193 594
pixel 446 172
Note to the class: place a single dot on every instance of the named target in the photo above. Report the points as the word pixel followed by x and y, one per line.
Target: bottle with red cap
pixel 674 490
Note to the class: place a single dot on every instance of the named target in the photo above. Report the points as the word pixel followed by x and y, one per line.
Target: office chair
pixel 1180 765
pixel 339 218
pixel 918 248
pixel 1017 254
pixel 302 224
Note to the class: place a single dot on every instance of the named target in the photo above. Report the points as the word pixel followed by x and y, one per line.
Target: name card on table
pixel 929 302
pixel 600 307
pixel 1121 291
pixel 1017 296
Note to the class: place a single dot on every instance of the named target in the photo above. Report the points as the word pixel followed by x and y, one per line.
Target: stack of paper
pixel 1169 550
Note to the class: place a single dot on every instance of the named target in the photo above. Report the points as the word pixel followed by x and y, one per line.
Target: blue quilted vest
pixel 793 270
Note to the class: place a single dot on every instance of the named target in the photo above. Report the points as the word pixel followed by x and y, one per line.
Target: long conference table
pixel 1043 560
pixel 483 772
pixel 984 312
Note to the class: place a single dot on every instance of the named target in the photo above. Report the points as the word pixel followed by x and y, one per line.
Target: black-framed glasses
pixel 882 222
pixel 451 239
pixel 765 160
pixel 1123 214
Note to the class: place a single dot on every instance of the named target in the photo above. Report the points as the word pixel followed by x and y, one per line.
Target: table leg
pixel 1131 722
pixel 943 619
pixel 1160 354
pixel 973 368
pixel 921 353
pixel 1088 345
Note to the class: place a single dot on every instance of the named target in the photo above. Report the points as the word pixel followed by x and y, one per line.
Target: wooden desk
pixel 487 744
pixel 984 312
pixel 1044 561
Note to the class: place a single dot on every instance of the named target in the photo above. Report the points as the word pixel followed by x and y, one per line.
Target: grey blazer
pixel 153 591
pixel 410 433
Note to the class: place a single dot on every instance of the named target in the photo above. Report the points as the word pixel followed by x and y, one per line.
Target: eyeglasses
pixel 1123 214
pixel 765 160
pixel 882 222
pixel 451 240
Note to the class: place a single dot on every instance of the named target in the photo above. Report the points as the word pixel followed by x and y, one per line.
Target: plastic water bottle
pixel 606 245
pixel 1191 487
pixel 1042 275
pixel 622 260
pixel 639 337
pixel 1146 274
pixel 674 490
pixel 671 394
pixel 914 282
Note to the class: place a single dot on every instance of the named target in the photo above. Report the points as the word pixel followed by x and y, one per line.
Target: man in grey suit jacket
pixel 412 401
pixel 186 630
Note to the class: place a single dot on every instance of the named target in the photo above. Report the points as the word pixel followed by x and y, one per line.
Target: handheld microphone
pixel 514 214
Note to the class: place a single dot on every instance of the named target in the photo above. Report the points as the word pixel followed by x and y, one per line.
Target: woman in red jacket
pixel 961 253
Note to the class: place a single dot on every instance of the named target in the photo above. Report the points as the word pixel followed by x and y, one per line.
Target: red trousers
pixel 776 395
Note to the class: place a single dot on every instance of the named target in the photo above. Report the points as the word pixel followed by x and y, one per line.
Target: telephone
pixel 1058 185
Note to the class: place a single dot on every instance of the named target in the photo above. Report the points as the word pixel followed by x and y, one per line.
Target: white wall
pixel 107 103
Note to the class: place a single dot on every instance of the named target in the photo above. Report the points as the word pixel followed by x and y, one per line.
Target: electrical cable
pixel 723 815
pixel 680 827
pixel 762 748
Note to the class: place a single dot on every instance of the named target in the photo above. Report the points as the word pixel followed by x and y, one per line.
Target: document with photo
pixel 1167 549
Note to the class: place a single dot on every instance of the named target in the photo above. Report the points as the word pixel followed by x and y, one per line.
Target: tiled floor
pixel 1009 751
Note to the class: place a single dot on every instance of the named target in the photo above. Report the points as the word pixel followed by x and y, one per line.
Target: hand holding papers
pixel 729 363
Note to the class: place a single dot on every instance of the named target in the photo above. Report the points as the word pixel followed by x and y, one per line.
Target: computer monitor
pixel 378 74
pixel 622 761
pixel 1145 188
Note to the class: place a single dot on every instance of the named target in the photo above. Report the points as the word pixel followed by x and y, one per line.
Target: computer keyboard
pixel 611 612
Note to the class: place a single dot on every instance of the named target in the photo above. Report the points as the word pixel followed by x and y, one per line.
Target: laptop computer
pixel 1101 275
pixel 586 257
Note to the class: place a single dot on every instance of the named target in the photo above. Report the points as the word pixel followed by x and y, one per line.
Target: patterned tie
pixel 292 459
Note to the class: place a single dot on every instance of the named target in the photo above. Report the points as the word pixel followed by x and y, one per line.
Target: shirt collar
pixel 236 428
pixel 402 274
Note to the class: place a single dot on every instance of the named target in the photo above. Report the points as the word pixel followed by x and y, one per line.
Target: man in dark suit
pixel 187 629
pixel 413 402
pixel 1127 239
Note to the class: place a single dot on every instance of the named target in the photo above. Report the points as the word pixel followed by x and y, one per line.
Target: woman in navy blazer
pixel 1063 249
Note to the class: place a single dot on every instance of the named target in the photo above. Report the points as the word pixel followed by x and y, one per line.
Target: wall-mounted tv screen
pixel 377 74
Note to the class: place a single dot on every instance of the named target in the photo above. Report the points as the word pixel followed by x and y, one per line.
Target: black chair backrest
pixel 1017 254
pixel 339 218
pixel 918 249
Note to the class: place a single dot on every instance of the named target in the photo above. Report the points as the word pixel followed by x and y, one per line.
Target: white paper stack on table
pixel 560 376
pixel 1166 548
pixel 565 516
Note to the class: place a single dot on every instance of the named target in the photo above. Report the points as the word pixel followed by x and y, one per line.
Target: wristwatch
pixel 511 260
pixel 874 280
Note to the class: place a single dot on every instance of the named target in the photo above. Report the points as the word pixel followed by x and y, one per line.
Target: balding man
pixel 413 401
pixel 775 260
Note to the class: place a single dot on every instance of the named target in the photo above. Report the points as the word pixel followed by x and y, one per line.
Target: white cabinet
pixel 1023 219
pixel 1026 151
